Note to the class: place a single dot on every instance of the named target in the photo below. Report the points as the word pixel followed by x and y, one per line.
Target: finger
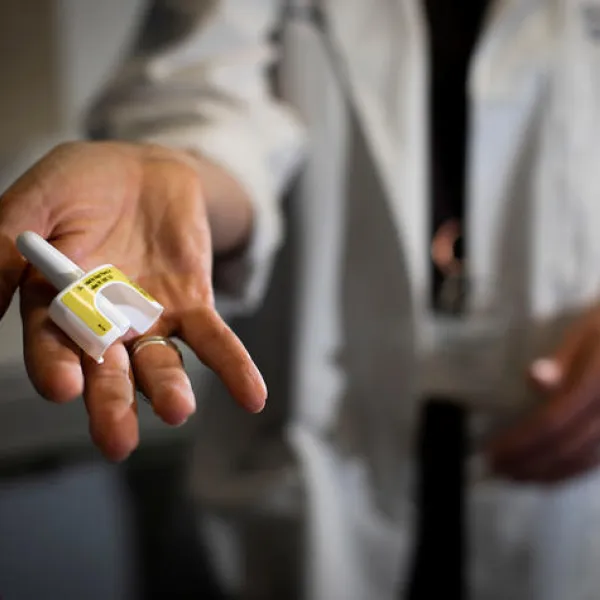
pixel 542 430
pixel 52 359
pixel 561 473
pixel 570 471
pixel 575 455
pixel 160 376
pixel 110 401
pixel 219 348
pixel 566 458
pixel 569 350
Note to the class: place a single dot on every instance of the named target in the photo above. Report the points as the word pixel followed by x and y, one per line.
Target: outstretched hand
pixel 142 208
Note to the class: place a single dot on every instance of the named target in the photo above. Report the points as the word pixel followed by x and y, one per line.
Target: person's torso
pixel 533 95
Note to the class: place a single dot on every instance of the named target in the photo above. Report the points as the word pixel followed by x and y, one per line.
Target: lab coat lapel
pixel 508 82
pixel 381 51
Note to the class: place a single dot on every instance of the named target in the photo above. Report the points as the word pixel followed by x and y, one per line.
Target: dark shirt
pixel 440 558
pixel 453 33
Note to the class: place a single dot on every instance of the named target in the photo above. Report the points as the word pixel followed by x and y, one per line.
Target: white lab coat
pixel 313 499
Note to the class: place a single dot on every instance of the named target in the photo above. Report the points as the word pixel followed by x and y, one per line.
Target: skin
pixel 161 216
pixel 560 439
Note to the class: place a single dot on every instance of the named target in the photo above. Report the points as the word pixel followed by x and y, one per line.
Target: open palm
pixel 140 208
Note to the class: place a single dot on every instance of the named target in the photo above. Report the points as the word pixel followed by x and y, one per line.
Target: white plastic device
pixel 94 309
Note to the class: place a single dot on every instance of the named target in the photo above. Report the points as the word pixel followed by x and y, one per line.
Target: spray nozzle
pixel 94 309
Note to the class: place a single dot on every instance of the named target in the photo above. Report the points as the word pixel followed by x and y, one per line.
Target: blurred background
pixel 71 525
pixel 74 527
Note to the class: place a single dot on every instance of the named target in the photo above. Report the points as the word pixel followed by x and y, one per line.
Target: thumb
pixel 18 213
pixel 546 374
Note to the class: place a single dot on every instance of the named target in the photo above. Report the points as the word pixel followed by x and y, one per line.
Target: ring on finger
pixel 153 340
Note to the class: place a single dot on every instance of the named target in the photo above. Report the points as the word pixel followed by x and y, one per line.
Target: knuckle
pixel 67 148
pixel 169 377
pixel 178 169
pixel 115 369
pixel 188 178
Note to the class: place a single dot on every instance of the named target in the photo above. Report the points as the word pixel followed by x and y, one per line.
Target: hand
pixel 143 209
pixel 561 438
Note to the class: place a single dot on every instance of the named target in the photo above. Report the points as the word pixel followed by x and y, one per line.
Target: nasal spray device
pixel 94 309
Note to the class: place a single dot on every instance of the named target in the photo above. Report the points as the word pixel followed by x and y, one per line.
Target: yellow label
pixel 81 298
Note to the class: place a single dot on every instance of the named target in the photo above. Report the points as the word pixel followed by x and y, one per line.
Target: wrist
pixel 228 207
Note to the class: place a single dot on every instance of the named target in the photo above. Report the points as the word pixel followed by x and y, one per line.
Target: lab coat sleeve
pixel 207 89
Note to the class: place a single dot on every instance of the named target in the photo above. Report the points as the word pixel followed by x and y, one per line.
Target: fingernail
pixel 258 407
pixel 547 372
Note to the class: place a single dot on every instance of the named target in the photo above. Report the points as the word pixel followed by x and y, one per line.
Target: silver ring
pixel 142 342
pixel 151 340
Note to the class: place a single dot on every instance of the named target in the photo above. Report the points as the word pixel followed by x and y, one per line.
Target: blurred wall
pixel 29 102
pixel 53 56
